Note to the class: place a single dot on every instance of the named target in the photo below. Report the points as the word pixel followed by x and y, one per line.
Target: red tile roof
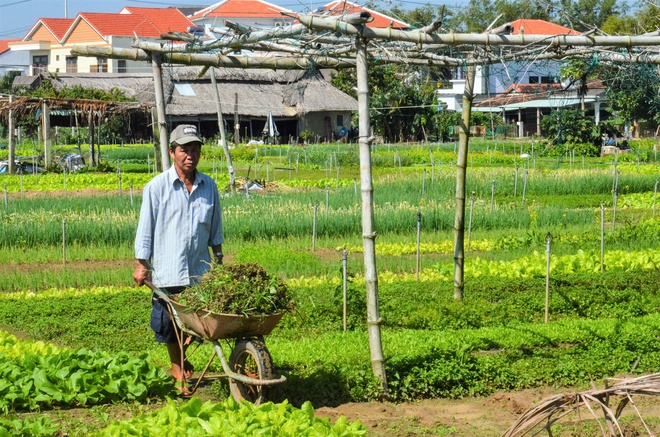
pixel 517 93
pixel 4 44
pixel 119 24
pixel 541 27
pixel 57 26
pixel 143 22
pixel 240 9
pixel 340 7
pixel 163 19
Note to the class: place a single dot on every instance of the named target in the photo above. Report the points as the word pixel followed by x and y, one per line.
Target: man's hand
pixel 141 272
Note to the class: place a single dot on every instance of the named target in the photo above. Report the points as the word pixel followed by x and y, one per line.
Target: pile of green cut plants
pixel 242 288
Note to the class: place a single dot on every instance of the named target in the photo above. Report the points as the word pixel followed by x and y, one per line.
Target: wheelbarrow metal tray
pixel 214 326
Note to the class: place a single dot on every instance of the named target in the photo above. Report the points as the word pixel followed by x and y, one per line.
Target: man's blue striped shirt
pixel 176 228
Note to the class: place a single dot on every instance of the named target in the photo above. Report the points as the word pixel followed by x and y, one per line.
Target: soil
pixel 483 417
pixel 490 416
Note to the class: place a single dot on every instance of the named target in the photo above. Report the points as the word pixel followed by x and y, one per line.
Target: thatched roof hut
pixel 297 100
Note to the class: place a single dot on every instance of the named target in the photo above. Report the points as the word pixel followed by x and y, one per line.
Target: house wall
pixel 15 61
pixel 125 42
pixel 43 34
pixel 317 122
pixel 84 33
pixel 497 78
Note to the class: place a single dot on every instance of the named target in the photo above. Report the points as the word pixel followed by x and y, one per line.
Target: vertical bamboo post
pixel 515 183
pixel 655 196
pixel 419 235
pixel 327 199
pixel 90 123
pixel 469 238
pixel 492 196
pixel 22 192
pixel 316 207
pixel 461 160
pixel 368 231
pixel 11 144
pixel 156 66
pixel 344 265
pixel 355 190
pixel 524 191
pixel 547 275
pixel 6 199
pixel 602 237
pixel 46 129
pixel 338 168
pixel 64 241
pixel 614 202
pixel 223 135
pixel 237 125
pixel 130 186
pixel 423 182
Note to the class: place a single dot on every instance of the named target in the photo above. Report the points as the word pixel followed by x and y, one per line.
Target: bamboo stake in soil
pixel 419 232
pixel 461 161
pixel 602 237
pixel 344 265
pixel 368 232
pixel 547 275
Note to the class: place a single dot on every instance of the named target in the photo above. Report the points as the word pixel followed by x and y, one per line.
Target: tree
pixel 632 91
pixel 403 101
pixel 7 81
pixel 569 127
pixel 579 71
pixel 583 15
pixel 646 19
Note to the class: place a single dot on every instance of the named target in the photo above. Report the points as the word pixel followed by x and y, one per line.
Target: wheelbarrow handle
pixel 150 284
pixel 160 293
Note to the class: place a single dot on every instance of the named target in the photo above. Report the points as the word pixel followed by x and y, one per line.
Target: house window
pixel 534 79
pixel 100 67
pixel 121 66
pixel 340 120
pixel 57 57
pixel 39 64
pixel 71 64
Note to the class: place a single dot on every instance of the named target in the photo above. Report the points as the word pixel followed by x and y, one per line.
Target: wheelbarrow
pixel 250 369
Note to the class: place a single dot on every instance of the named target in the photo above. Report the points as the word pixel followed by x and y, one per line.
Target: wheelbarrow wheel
pixel 250 357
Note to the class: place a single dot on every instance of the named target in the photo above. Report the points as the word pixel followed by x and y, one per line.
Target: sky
pixel 18 16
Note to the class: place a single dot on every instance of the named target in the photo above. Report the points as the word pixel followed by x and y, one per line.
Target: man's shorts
pixel 161 323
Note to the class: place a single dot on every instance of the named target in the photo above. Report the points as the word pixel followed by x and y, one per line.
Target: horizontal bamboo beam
pixel 317 23
pixel 273 62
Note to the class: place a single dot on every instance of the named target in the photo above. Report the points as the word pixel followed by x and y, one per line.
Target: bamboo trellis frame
pixel 321 41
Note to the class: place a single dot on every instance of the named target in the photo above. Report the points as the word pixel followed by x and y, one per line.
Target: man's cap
pixel 184 134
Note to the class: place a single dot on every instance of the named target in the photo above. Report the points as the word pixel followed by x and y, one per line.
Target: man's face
pixel 186 157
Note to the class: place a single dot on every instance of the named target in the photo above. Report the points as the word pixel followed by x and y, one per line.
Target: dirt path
pixel 485 417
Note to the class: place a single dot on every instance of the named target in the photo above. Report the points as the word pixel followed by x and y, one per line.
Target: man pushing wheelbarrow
pixel 180 219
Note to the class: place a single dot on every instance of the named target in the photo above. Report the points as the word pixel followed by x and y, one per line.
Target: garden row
pixel 601 324
pixel 39 376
